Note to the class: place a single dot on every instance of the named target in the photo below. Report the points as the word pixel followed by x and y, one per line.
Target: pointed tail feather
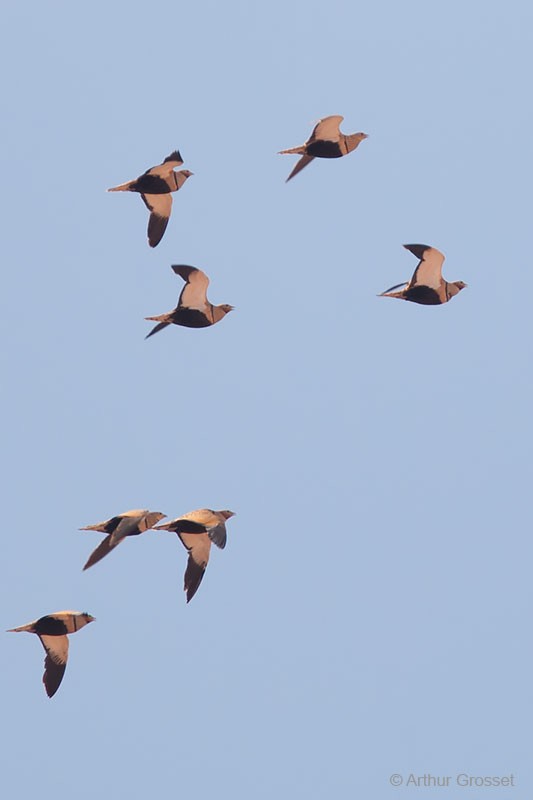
pixel 400 295
pixel 20 628
pixel 124 187
pixel 298 150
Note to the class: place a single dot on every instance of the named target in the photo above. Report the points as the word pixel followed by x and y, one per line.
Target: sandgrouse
pixel 155 187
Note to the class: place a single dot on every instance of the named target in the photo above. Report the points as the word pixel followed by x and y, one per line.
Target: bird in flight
pixel 155 187
pixel 427 286
pixel 194 309
pixel 130 523
pixel 197 530
pixel 326 141
pixel 52 630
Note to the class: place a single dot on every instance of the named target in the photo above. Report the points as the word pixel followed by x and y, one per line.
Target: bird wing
pixel 198 547
pixel 194 293
pixel 397 286
pixel 128 526
pixel 160 206
pixel 218 535
pixel 327 129
pixel 429 269
pixel 169 164
pixel 157 328
pixel 303 162
pixel 55 663
pixel 102 550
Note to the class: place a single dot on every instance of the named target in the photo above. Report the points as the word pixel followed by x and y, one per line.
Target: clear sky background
pixel 371 613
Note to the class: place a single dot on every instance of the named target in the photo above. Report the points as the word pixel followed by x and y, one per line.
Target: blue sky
pixel 371 613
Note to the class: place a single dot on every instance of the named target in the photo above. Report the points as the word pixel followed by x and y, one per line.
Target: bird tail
pixel 163 323
pixel 124 187
pixel 96 527
pixel 390 293
pixel 21 628
pixel 300 150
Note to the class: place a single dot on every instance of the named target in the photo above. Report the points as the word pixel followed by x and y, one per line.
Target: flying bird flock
pixel 197 530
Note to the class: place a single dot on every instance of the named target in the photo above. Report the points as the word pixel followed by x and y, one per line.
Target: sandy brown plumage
pixel 129 523
pixel 52 630
pixel 155 187
pixel 194 309
pixel 326 141
pixel 197 530
pixel 427 286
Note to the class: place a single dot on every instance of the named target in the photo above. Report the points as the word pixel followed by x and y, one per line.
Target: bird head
pixel 227 514
pixel 87 618
pixel 226 308
pixel 353 139
pixel 153 517
pixel 455 287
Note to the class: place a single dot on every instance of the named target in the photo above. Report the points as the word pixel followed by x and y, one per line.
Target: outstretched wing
pixel 327 129
pixel 429 269
pixel 101 551
pixel 159 327
pixel 397 286
pixel 55 663
pixel 170 163
pixel 194 293
pixel 303 162
pixel 218 535
pixel 160 206
pixel 198 546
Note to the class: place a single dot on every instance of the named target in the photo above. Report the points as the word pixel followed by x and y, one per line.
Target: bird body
pixel 427 286
pixel 52 630
pixel 155 187
pixel 197 529
pixel 326 141
pixel 194 309
pixel 129 523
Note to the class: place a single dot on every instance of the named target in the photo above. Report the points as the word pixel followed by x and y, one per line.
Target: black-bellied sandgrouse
pixel 155 187
pixel 130 523
pixel 194 309
pixel 427 286
pixel 326 141
pixel 52 630
pixel 197 530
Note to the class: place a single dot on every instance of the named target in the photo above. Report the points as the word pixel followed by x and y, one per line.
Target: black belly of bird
pixel 324 150
pixel 49 626
pixel 188 526
pixel 191 318
pixel 423 295
pixel 150 184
